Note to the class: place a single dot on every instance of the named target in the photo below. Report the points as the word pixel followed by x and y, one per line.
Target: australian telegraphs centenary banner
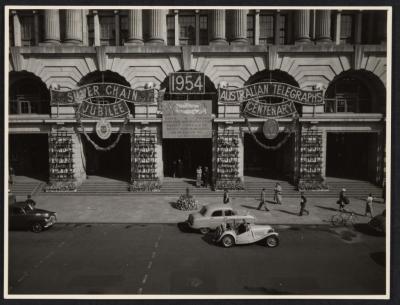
pixel 273 89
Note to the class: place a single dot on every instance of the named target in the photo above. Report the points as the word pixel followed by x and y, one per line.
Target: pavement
pixel 157 209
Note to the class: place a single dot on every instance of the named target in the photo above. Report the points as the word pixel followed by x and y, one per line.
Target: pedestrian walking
pixel 262 201
pixel 179 168
pixel 205 177
pixel 303 201
pixel 198 176
pixel 226 199
pixel 278 193
pixel 174 168
pixel 368 205
pixel 343 200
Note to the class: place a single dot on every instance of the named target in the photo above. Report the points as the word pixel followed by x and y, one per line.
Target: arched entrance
pixel 181 157
pixel 269 163
pixel 28 153
pixel 351 153
pixel 116 162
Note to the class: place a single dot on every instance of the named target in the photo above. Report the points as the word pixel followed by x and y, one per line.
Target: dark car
pixel 378 223
pixel 24 216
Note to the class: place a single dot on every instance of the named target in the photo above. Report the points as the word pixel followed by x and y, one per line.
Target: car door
pixel 217 218
pixel 245 236
pixel 17 218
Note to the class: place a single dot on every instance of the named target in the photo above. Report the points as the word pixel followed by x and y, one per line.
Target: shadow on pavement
pixel 287 212
pixel 209 239
pixel 379 258
pixel 184 227
pixel 326 208
pixel 366 229
pixel 249 206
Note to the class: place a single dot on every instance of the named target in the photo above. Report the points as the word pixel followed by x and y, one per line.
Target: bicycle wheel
pixel 352 220
pixel 336 219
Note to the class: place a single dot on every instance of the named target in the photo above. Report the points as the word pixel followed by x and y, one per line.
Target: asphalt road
pixel 167 259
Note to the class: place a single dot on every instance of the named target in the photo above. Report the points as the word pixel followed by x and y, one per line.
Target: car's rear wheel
pixel 204 230
pixel 228 241
pixel 37 227
pixel 272 241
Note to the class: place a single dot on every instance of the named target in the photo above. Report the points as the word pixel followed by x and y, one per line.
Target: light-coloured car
pixel 213 215
pixel 245 233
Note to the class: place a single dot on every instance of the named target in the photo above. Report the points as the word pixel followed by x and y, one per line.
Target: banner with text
pixel 272 89
pixel 102 90
pixel 187 119
pixel 112 110
pixel 259 109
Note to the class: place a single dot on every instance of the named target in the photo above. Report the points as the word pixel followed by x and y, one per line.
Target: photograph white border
pixel 8 8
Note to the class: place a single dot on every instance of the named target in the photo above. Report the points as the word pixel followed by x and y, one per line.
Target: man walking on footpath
pixel 278 193
pixel 262 201
pixel 368 205
pixel 342 200
pixel 226 199
pixel 303 201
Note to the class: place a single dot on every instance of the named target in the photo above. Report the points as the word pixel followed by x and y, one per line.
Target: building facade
pixel 342 53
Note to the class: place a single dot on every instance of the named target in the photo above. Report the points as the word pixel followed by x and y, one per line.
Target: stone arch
pixel 361 90
pixel 28 94
pixel 211 92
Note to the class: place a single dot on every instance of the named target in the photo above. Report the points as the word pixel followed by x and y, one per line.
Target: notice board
pixel 187 119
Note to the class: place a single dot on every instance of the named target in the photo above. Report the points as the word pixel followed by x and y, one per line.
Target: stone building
pixel 342 52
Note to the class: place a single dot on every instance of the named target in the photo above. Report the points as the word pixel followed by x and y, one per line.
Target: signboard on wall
pixel 187 119
pixel 186 83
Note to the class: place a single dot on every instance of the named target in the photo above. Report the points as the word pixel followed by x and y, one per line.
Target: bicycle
pixel 344 218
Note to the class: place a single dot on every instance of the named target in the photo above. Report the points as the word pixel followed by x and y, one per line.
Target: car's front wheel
pixel 37 227
pixel 228 241
pixel 272 241
pixel 204 230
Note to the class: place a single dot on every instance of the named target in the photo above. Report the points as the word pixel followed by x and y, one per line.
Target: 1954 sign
pixel 186 83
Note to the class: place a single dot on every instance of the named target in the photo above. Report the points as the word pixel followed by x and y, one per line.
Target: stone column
pixel 276 27
pixel 73 27
pixel 135 28
pixel 217 27
pixel 36 28
pixel 239 33
pixel 16 29
pixel 323 26
pixel 358 28
pixel 117 22
pixel 302 26
pixel 337 26
pixel 158 27
pixel 96 25
pixel 51 27
pixel 257 27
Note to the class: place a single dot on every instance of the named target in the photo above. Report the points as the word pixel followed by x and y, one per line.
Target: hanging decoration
pixel 271 129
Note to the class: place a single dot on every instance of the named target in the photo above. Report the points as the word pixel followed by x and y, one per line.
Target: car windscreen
pixel 203 211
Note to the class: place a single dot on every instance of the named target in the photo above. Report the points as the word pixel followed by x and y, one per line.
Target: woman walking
pixel 278 193
pixel 368 205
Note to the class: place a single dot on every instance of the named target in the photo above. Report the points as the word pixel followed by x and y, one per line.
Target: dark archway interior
pixel 29 155
pixel 28 94
pixel 115 163
pixel 356 91
pixel 272 164
pixel 350 155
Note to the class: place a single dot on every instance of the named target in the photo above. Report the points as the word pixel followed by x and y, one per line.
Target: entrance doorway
pixel 272 164
pixel 29 155
pixel 351 155
pixel 191 152
pixel 115 163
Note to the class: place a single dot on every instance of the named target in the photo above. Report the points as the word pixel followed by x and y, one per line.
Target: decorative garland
pixel 288 132
pixel 95 145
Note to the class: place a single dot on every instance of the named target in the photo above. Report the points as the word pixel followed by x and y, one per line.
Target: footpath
pixel 158 209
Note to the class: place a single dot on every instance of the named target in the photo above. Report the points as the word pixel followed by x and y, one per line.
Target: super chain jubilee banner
pixel 273 89
pixel 102 90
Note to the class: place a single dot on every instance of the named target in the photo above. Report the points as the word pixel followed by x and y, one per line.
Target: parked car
pixel 24 216
pixel 378 223
pixel 213 215
pixel 246 233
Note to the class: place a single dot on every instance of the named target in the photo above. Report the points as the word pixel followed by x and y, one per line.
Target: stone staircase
pixel 23 186
pixel 253 185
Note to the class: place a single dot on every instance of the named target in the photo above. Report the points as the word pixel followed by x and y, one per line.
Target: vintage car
pixel 378 223
pixel 24 216
pixel 213 215
pixel 231 234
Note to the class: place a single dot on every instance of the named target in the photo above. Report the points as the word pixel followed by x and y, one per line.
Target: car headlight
pixel 46 215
